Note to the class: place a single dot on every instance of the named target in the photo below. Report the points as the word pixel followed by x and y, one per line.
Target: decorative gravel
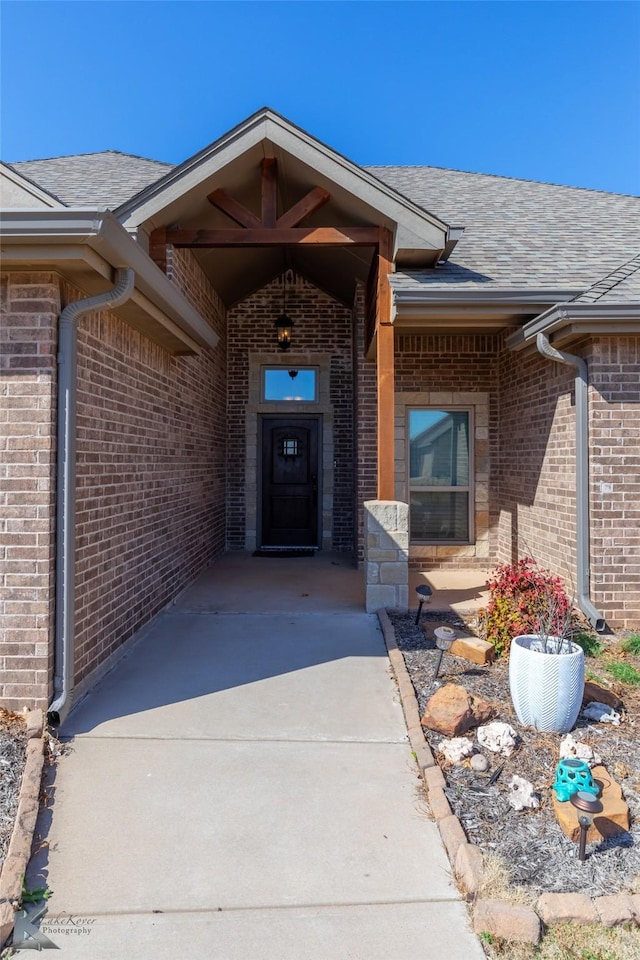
pixel 530 843
pixel 13 746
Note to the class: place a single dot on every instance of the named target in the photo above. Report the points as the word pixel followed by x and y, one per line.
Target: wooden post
pixel 386 371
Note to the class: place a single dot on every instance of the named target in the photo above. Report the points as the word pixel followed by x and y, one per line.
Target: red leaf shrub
pixel 523 598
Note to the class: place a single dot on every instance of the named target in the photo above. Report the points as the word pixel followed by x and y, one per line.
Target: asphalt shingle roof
pixel 518 233
pixel 101 180
pixel 621 286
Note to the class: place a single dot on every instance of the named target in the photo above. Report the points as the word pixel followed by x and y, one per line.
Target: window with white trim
pixel 440 481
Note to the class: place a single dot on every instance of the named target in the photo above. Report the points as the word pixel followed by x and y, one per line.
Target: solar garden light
pixel 587 806
pixel 424 593
pixel 444 638
pixel 573 774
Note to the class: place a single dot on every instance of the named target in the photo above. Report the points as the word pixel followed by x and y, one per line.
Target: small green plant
pixel 34 894
pixel 591 645
pixel 632 645
pixel 623 673
pixel 524 599
pixel 487 937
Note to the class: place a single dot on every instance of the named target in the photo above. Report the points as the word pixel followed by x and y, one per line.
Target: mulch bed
pixel 13 746
pixel 538 855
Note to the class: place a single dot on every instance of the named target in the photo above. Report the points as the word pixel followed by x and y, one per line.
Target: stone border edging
pixel 19 852
pixel 511 921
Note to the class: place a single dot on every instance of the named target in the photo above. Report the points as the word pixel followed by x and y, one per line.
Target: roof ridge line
pixel 91 153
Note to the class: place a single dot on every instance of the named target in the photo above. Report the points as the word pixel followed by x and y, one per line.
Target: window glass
pixel 439 457
pixel 294 384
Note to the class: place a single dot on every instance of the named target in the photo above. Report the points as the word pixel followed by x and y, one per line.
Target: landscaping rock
pixel 456 750
pixel 498 737
pixel 479 763
pixel 615 909
pixel 521 795
pixel 511 921
pixel 601 713
pixel 593 692
pixel 469 867
pixel 570 747
pixel 439 804
pixel 566 908
pixel 474 649
pixel 614 818
pixel 453 836
pixel 452 711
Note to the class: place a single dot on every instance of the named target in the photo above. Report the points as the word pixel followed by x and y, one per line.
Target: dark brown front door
pixel 290 482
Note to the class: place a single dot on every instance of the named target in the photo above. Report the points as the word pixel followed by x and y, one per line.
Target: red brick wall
pixel 150 470
pixel 536 483
pixel 322 325
pixel 28 314
pixel 614 399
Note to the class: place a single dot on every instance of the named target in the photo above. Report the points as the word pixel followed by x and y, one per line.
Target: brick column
pixel 29 306
pixel 386 554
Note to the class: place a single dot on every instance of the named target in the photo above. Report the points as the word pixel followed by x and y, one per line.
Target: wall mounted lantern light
pixel 284 324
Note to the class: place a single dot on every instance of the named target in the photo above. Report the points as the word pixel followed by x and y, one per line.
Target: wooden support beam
pixel 311 202
pixel 233 208
pixel 385 358
pixel 277 236
pixel 269 191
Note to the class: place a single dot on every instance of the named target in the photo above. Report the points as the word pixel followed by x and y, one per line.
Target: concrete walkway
pixel 240 787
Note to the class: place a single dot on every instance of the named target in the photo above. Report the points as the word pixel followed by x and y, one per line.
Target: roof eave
pixel 496 308
pixel 565 321
pixel 99 232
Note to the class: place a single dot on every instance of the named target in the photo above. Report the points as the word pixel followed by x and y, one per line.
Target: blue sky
pixel 544 91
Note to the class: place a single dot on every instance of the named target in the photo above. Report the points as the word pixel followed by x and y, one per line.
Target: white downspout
pixel 64 653
pixel 583 586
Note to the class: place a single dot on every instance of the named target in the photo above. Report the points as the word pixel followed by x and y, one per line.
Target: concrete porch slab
pixel 240 583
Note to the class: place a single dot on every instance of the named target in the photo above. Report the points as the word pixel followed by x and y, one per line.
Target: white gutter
pixel 64 651
pixel 583 578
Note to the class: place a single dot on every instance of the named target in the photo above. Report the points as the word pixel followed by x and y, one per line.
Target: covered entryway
pixel 289 491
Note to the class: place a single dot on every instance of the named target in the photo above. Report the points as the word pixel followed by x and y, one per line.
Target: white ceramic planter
pixel 546 688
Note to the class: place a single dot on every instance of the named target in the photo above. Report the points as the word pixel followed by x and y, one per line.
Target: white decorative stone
pixel 479 763
pixel 569 747
pixel 521 795
pixel 457 749
pixel 601 713
pixel 498 737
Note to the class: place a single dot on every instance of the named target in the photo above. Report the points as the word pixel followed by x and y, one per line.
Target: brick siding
pixel 322 326
pixel 615 477
pixel 150 511
pixel 536 483
pixel 28 327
